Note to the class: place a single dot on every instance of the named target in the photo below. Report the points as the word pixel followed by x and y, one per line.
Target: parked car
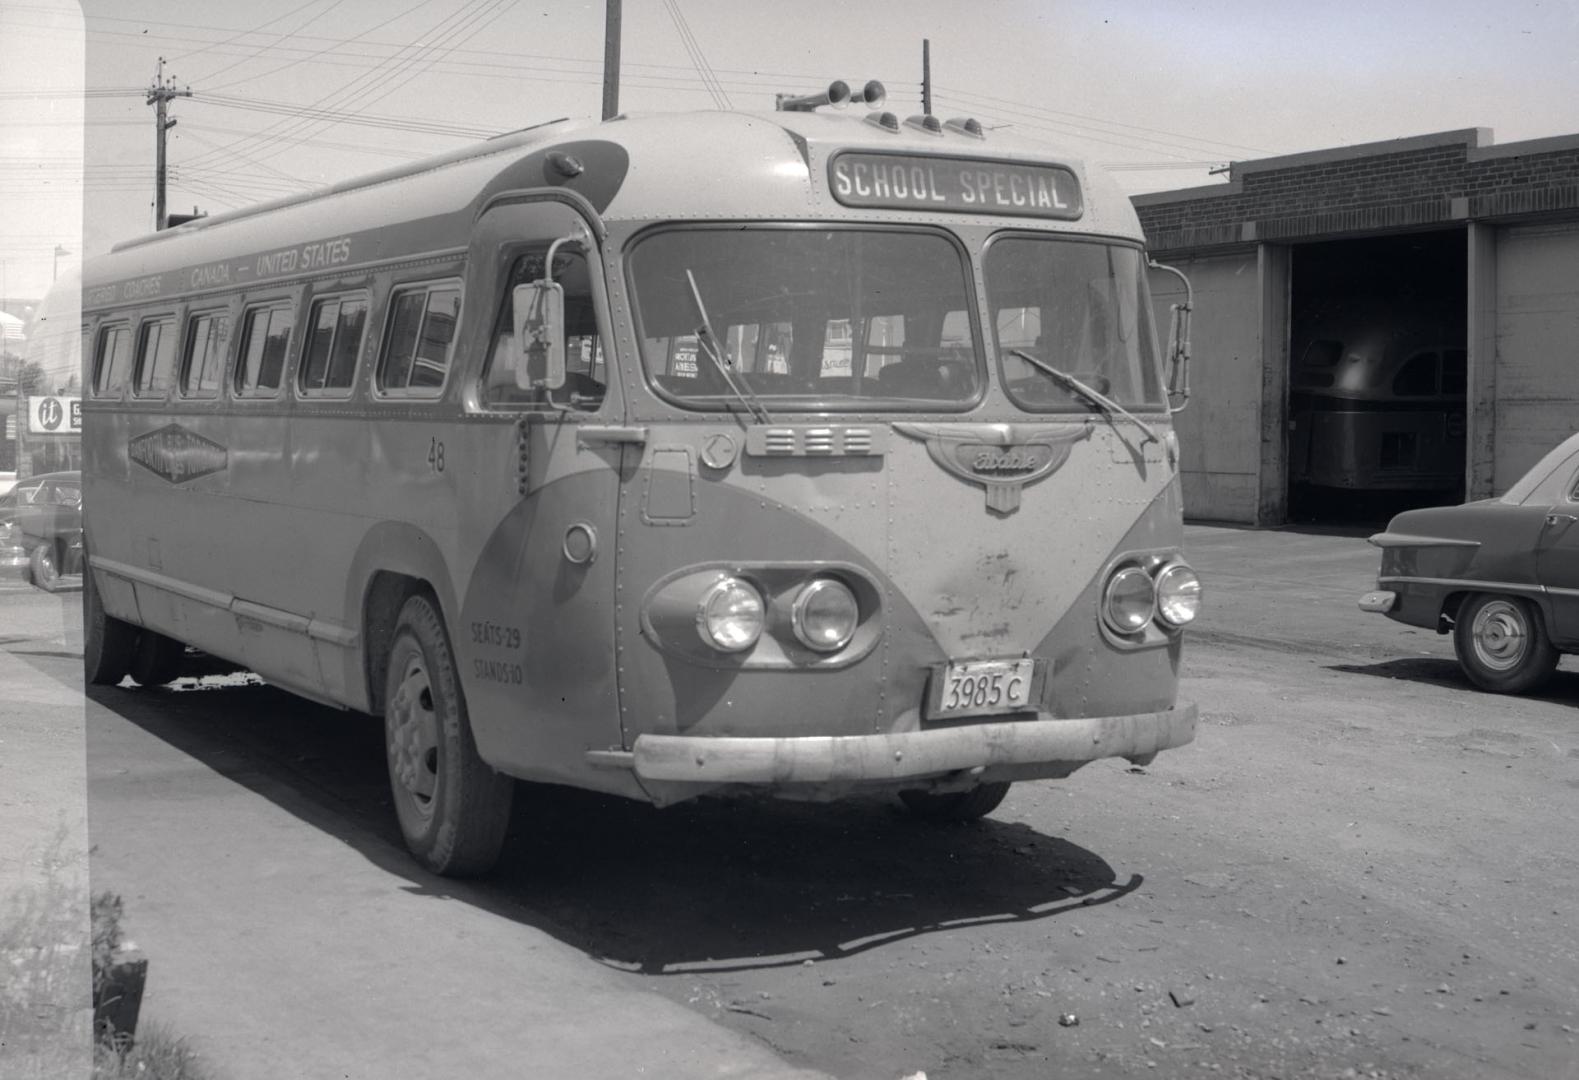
pixel 41 528
pixel 1501 575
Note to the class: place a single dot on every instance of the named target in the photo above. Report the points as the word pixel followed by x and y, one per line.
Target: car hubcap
pixel 1501 637
pixel 414 737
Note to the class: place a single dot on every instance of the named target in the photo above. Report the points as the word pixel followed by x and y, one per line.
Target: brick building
pixel 1488 234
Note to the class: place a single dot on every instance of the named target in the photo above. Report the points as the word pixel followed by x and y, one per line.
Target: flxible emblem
pixel 1001 458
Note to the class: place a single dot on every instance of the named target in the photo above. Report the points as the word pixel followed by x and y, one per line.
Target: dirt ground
pixel 1362 867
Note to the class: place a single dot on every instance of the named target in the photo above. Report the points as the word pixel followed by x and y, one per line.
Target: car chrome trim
pixel 1380 601
pixel 1465 583
pixel 1392 539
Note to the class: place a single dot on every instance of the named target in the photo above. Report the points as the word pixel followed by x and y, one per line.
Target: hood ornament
pixel 1001 458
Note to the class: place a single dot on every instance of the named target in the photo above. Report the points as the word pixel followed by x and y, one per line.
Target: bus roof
pixel 705 165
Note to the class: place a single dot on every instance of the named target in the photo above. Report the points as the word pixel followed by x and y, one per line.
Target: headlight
pixel 1129 600
pixel 825 615
pixel 729 618
pixel 1178 595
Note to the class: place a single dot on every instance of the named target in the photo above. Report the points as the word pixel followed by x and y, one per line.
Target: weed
pixel 156 1055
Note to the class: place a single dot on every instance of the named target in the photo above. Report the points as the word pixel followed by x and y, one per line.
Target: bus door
pixel 535 635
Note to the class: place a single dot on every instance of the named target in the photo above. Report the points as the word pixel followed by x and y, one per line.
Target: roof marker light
pixel 929 124
pixel 564 164
pixel 961 125
pixel 885 120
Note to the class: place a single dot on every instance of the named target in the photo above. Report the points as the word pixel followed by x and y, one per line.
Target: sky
pixel 288 95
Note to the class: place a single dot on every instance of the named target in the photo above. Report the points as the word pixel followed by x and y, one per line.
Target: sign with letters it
pixel 955 185
pixel 54 416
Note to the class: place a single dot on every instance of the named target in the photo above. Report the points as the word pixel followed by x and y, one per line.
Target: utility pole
pixel 926 76
pixel 611 60
pixel 160 95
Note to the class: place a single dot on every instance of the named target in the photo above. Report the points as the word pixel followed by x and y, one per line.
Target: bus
pixel 795 453
pixel 1377 398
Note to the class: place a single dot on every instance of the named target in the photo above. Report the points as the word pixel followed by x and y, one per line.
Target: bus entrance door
pixel 537 636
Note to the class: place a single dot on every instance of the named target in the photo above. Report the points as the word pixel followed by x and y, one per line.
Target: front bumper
pixel 1047 746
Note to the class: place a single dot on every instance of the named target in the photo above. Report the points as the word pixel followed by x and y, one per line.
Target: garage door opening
pixel 1377 373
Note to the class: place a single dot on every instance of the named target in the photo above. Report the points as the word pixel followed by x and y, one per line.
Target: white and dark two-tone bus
pixel 791 453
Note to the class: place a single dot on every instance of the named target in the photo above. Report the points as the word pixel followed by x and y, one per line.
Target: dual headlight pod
pixel 1134 596
pixel 732 613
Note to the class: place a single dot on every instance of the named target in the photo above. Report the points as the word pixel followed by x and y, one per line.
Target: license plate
pixel 982 688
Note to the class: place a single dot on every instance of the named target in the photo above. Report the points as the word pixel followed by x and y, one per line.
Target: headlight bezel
pixel 744 590
pixel 1142 615
pixel 1192 587
pixel 810 592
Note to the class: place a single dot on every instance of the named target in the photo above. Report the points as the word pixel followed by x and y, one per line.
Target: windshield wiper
pixel 1091 394
pixel 708 341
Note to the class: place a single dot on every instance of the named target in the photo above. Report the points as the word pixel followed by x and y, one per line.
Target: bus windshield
pixel 1082 307
pixel 807 318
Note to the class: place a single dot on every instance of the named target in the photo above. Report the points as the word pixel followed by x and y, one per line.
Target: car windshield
pixel 807 318
pixel 1082 307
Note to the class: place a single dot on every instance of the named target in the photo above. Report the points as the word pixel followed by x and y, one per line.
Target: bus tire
pixel 1502 643
pixel 453 808
pixel 107 642
pixel 978 802
pixel 156 660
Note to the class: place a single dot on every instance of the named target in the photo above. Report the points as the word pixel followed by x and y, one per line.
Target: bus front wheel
pixel 978 802
pixel 453 808
pixel 107 642
pixel 157 659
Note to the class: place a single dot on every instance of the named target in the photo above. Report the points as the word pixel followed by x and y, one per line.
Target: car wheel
pixel 978 802
pixel 45 566
pixel 1502 644
pixel 107 642
pixel 156 659
pixel 453 808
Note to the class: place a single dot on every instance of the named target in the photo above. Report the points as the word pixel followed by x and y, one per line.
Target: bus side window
pixel 586 371
pixel 265 334
pixel 155 357
pixel 419 341
pixel 110 360
pixel 333 344
pixel 204 357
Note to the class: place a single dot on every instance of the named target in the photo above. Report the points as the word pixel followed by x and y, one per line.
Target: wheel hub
pixel 1500 635
pixel 414 738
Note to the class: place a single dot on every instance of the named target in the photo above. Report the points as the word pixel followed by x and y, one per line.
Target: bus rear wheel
pixel 978 802
pixel 107 642
pixel 157 659
pixel 453 808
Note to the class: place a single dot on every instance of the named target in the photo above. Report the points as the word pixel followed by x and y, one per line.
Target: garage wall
pixel 1220 431
pixel 1537 340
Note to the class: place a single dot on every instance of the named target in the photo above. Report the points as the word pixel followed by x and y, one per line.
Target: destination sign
pixel 911 182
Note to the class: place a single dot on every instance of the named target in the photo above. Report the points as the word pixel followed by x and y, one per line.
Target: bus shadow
pixel 708 885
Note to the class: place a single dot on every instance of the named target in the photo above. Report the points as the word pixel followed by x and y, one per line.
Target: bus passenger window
pixel 329 361
pixel 204 359
pixel 265 334
pixel 586 372
pixel 109 363
pixel 155 357
pixel 421 333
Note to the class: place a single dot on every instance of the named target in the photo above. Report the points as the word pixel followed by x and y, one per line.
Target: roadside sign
pixel 54 416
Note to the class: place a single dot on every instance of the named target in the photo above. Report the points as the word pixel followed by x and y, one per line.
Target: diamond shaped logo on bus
pixel 1000 458
pixel 176 454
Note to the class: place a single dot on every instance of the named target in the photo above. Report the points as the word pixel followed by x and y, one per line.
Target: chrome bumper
pixel 1379 601
pixel 820 759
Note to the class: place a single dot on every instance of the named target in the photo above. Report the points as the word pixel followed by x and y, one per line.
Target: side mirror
pixel 539 335
pixel 1178 361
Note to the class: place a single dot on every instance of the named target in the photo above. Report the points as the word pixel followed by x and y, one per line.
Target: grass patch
pixel 158 1054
